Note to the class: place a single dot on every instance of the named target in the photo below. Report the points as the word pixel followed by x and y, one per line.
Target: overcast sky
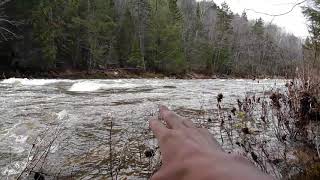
pixel 293 22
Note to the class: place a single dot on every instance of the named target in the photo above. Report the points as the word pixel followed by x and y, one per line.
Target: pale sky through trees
pixel 293 22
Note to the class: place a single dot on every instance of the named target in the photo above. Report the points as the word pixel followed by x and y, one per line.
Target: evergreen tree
pixel 141 10
pixel 222 50
pixel 98 25
pixel 175 12
pixel 47 26
pixel 166 50
pixel 70 47
pixel 136 58
pixel 258 28
pixel 313 15
pixel 125 38
pixel 244 16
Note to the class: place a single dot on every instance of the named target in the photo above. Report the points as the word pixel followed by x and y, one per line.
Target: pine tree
pixel 174 11
pixel 125 38
pixel 244 16
pixel 313 15
pixel 141 10
pixel 47 26
pixel 99 27
pixel 258 28
pixel 70 44
pixel 136 58
pixel 222 50
pixel 174 56
pixel 166 49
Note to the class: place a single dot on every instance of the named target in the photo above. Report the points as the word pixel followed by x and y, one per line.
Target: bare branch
pixel 7 21
pixel 275 15
pixel 3 36
pixel 313 6
pixel 4 2
pixel 7 30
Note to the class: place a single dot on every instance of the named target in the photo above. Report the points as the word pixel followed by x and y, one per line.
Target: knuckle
pixel 169 115
pixel 167 136
pixel 179 134
pixel 241 159
pixel 172 135
pixel 204 130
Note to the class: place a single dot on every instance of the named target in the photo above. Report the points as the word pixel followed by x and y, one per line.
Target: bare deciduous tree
pixel 5 23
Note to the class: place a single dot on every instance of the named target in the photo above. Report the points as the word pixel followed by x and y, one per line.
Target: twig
pixel 317 142
pixel 275 15
pixel 110 150
pixel 12 33
pixel 4 2
pixel 33 145
pixel 8 21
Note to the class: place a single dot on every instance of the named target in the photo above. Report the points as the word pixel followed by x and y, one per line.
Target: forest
pixel 165 36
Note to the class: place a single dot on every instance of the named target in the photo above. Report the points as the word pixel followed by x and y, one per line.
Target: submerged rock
pixel 219 97
pixel 38 176
pixel 149 153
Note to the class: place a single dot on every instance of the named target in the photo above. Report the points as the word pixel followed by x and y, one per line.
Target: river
pixel 81 111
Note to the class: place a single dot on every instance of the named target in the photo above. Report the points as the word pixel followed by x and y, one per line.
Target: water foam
pixel 13 168
pixel 62 115
pixel 87 86
pixel 31 82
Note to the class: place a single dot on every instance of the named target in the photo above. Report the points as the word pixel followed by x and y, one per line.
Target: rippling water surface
pixel 85 107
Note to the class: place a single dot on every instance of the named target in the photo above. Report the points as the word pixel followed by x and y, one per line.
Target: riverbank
pixel 118 74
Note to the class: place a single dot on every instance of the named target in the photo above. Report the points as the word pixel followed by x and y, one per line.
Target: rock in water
pixel 38 176
pixel 149 153
pixel 219 98
pixel 245 130
pixel 254 157
pixel 233 111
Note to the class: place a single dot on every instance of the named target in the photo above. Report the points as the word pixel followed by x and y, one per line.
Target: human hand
pixel 191 153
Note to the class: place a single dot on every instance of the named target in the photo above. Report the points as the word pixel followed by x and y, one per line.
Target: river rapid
pixel 81 111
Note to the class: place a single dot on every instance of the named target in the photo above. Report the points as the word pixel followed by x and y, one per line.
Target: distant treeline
pixel 168 36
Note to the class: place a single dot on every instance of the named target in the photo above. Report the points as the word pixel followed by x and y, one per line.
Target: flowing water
pixel 83 110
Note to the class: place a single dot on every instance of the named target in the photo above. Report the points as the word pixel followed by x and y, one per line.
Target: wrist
pixel 206 166
pixel 222 166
